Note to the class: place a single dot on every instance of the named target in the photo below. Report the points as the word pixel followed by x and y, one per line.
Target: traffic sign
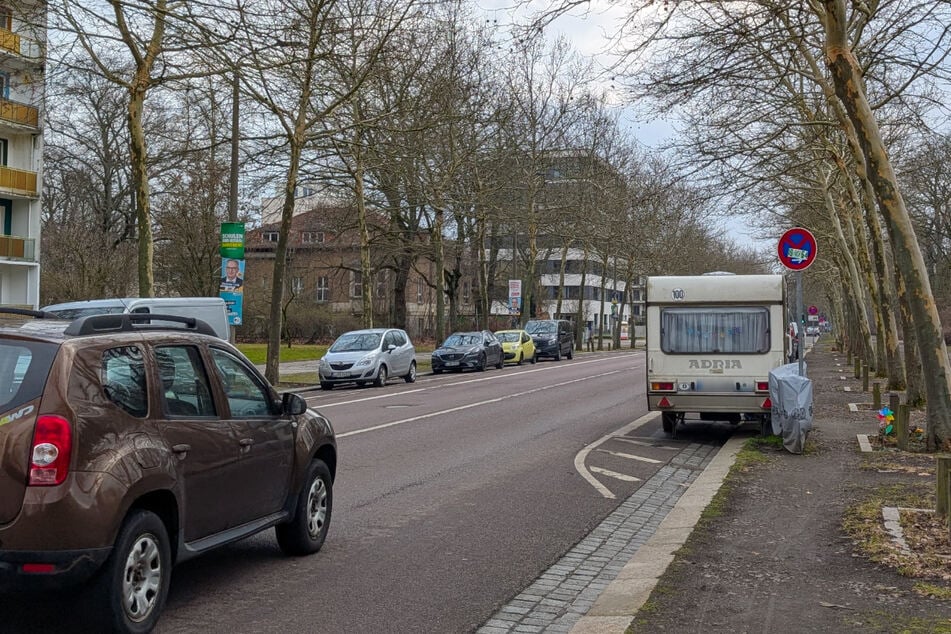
pixel 813 310
pixel 797 249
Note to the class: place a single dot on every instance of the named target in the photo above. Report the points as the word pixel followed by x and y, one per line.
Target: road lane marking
pixel 318 403
pixel 581 455
pixel 471 405
pixel 645 444
pixel 615 474
pixel 630 456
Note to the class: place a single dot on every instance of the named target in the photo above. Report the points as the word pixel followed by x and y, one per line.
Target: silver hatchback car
pixel 368 356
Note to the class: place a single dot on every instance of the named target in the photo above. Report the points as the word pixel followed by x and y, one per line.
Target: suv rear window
pixel 24 367
pixel 735 330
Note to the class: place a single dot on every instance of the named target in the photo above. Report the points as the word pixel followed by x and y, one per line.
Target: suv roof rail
pixel 125 322
pixel 40 314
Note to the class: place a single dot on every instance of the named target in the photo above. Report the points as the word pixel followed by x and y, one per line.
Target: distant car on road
pixel 468 351
pixel 368 356
pixel 812 331
pixel 552 337
pixel 517 346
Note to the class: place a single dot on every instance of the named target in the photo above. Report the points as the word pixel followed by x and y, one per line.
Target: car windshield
pixel 462 340
pixel 508 337
pixel 540 328
pixel 356 342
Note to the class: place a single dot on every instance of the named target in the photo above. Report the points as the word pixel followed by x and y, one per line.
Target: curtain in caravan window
pixel 715 330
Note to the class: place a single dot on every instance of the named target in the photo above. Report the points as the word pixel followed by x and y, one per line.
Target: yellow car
pixel 517 346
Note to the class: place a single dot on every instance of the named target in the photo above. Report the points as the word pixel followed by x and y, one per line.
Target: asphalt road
pixel 452 494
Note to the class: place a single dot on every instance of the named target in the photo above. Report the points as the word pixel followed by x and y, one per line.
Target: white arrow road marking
pixel 629 456
pixel 615 474
pixel 581 455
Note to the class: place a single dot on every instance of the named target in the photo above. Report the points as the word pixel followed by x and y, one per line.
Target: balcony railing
pixel 17 248
pixel 19 45
pixel 19 113
pixel 19 182
pixel 9 41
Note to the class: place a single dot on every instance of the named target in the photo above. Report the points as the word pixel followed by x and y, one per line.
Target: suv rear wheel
pixel 306 532
pixel 134 581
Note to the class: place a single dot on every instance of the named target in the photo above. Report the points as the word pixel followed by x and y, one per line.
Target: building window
pixel 381 285
pixel 419 291
pixel 312 237
pixel 269 236
pixel 4 86
pixel 297 285
pixel 323 289
pixel 3 151
pixel 6 19
pixel 466 291
pixel 356 284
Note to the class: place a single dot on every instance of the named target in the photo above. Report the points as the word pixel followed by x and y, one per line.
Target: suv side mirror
pixel 293 404
pixel 390 348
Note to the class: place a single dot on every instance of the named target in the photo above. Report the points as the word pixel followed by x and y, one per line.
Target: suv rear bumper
pixel 70 568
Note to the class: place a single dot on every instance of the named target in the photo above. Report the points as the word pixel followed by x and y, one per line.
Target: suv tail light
pixel 49 458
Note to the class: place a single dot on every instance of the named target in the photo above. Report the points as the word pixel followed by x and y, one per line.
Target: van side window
pixel 711 330
pixel 123 379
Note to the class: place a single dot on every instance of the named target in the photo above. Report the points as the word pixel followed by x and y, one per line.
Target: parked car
pixel 552 337
pixel 812 331
pixel 128 447
pixel 211 310
pixel 368 356
pixel 468 351
pixel 517 346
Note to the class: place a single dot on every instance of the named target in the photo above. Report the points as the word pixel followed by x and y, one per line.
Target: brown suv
pixel 126 448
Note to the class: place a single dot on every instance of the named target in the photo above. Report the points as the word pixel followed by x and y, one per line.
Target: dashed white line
pixel 471 405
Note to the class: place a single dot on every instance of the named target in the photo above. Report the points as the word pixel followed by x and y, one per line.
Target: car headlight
pixel 367 360
pixel 323 363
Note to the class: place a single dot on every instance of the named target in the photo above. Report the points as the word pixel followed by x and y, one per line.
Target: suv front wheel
pixel 305 533
pixel 134 582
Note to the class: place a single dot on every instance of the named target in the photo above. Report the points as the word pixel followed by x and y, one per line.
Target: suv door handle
pixel 181 448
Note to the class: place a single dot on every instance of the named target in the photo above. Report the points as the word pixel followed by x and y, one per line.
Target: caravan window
pixel 733 330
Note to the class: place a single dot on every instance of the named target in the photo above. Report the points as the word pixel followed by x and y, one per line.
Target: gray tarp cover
pixel 791 415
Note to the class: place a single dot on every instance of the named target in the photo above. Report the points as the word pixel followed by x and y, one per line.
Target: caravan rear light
pixel 767 404
pixel 662 386
pixel 762 386
pixel 664 402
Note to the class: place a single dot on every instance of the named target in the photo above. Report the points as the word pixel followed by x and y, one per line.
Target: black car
pixel 468 351
pixel 552 337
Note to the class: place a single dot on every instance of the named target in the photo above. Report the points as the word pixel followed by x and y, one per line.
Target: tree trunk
pixel 272 366
pixel 439 278
pixel 140 181
pixel 847 76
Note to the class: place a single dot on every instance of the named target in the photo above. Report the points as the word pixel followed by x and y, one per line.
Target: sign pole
pixel 802 334
pixel 797 250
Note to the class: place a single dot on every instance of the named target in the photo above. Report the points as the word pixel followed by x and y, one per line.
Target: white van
pixel 210 310
pixel 711 342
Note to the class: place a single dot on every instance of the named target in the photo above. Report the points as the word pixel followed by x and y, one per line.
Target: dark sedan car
pixel 468 351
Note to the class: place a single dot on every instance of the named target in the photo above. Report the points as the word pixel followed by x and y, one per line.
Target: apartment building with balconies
pixel 22 66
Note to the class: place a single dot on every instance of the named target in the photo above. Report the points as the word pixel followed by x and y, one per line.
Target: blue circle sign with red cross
pixel 797 249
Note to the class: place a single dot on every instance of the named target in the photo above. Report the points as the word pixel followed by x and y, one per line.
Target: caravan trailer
pixel 711 343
